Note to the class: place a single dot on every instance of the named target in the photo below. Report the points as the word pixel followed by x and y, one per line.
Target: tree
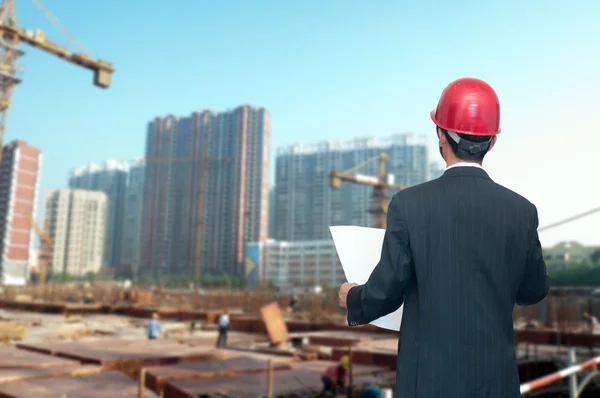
pixel 576 274
pixel 90 277
pixel 226 280
pixel 595 257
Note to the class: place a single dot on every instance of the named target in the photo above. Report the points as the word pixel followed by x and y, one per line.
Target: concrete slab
pixel 13 357
pixel 237 364
pixel 16 374
pixel 304 376
pixel 336 338
pixel 102 385
pixel 126 355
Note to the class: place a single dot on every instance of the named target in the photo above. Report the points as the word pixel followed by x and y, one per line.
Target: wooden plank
pixel 273 319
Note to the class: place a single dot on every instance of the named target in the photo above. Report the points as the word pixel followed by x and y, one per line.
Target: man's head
pixel 455 147
pixel 467 119
pixel 345 362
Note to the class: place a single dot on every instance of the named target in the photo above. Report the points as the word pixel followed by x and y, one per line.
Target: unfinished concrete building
pixel 217 162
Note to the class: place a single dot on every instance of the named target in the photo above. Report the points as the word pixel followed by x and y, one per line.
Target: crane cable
pixel 570 219
pixel 70 37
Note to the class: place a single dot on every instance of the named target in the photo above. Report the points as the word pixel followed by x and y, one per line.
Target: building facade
pixel 271 229
pixel 109 177
pixel 132 221
pixel 206 187
pixel 19 185
pixel 436 170
pixel 305 205
pixel 76 222
pixel 293 264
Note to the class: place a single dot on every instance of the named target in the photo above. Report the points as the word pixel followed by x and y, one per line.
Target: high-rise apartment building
pixel 132 222
pixel 232 199
pixel 76 222
pixel 305 204
pixel 109 177
pixel 271 229
pixel 19 184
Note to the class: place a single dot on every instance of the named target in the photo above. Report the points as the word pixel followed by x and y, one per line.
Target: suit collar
pixel 466 171
pixel 464 164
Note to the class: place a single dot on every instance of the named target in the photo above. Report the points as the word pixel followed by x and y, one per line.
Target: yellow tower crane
pixel 380 184
pixel 11 36
pixel 45 250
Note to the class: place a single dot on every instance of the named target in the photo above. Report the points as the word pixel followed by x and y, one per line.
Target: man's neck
pixel 457 161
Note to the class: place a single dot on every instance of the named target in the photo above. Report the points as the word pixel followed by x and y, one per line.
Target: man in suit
pixel 458 252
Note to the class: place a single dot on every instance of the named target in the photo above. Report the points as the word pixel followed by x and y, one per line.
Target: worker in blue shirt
pixel 223 322
pixel 371 392
pixel 153 327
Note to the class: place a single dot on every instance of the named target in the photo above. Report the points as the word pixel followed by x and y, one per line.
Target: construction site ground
pixel 56 345
pixel 108 355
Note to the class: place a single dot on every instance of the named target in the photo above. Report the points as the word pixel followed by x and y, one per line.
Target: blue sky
pixel 332 69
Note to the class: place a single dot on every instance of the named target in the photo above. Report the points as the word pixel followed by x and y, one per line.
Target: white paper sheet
pixel 359 249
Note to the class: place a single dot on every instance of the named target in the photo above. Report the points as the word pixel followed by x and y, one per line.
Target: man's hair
pixel 461 152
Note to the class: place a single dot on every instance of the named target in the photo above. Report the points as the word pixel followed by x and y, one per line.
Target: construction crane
pixel 11 36
pixel 45 250
pixel 381 186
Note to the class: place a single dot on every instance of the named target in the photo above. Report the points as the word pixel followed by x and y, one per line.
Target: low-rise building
pixel 76 220
pixel 559 255
pixel 293 264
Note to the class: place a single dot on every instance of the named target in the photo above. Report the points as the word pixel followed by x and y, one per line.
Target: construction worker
pixel 591 320
pixel 153 327
pixel 223 323
pixel 371 392
pixel 293 303
pixel 334 377
pixel 458 252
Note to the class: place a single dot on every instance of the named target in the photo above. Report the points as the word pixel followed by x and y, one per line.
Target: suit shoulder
pixel 415 191
pixel 517 198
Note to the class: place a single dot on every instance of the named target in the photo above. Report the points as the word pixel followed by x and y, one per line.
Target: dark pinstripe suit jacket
pixel 459 252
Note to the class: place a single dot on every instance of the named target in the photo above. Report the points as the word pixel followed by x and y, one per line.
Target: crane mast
pixel 45 249
pixel 11 36
pixel 381 187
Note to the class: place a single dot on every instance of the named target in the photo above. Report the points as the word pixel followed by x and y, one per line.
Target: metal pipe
pixel 588 379
pixel 573 377
pixel 556 376
pixel 350 377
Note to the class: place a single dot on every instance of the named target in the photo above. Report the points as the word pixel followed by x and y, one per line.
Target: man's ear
pixel 492 143
pixel 441 138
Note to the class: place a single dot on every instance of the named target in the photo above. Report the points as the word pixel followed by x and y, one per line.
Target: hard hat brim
pixel 440 125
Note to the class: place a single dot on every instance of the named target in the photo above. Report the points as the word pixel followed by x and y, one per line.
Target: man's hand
pixel 343 294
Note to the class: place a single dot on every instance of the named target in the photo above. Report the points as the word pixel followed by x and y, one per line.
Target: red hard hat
pixel 468 106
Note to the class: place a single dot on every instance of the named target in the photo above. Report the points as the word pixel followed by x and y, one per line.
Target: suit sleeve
pixel 535 284
pixel 384 291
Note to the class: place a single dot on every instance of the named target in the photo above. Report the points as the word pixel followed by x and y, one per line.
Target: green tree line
pixel 578 273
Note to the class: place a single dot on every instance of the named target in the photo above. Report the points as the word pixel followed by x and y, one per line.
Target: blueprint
pixel 359 250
